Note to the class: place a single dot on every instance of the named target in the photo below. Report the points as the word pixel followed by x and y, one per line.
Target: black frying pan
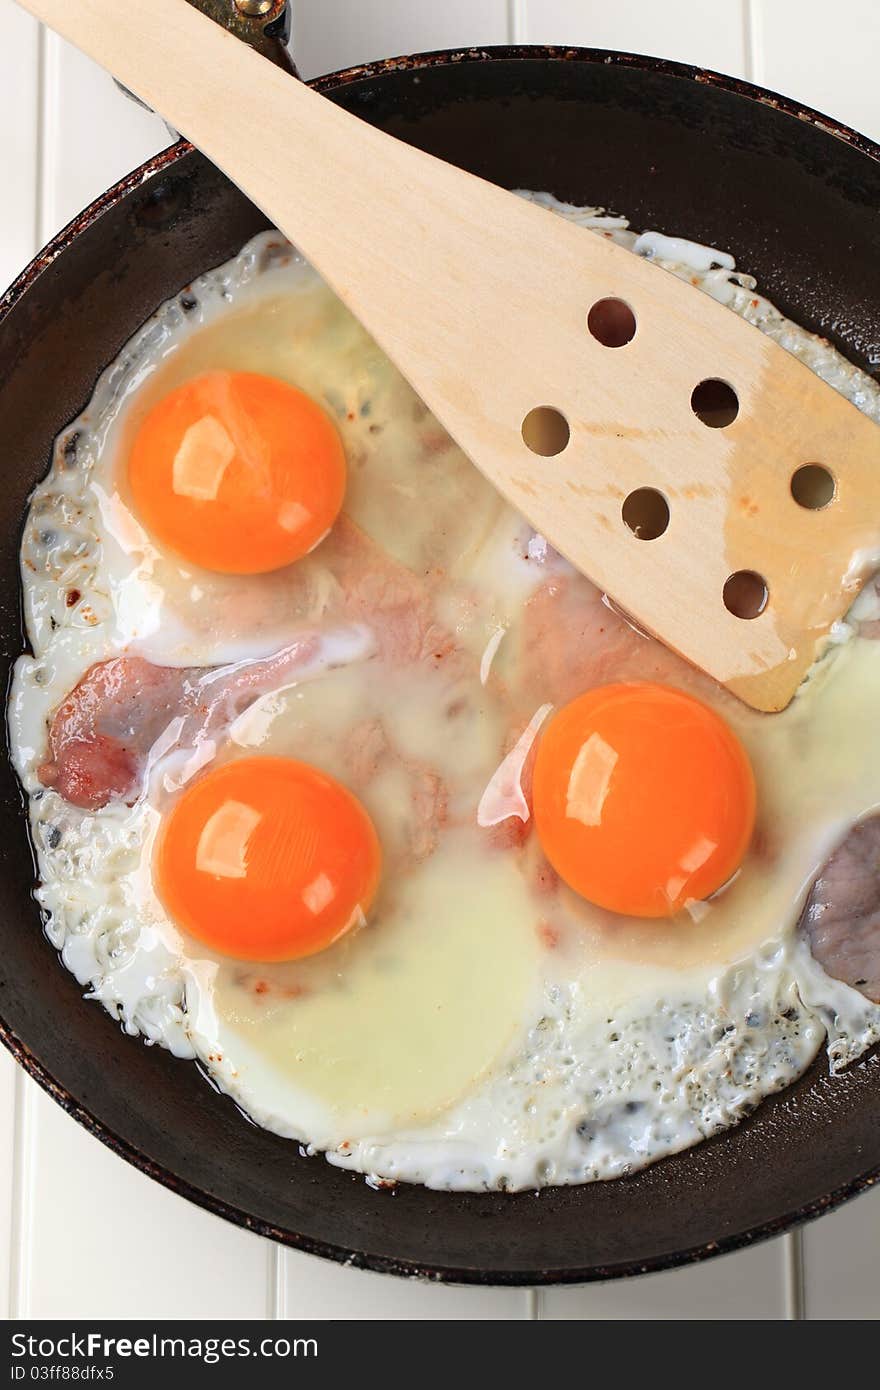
pixel 794 196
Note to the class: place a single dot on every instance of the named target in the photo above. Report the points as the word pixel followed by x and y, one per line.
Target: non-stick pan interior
pixel 676 151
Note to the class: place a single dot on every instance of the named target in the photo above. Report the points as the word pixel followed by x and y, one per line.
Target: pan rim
pixel 157 164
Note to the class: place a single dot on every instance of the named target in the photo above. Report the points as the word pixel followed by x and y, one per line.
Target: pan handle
pixel 262 24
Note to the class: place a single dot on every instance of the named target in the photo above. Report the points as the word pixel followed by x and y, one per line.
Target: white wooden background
pixel 82 1234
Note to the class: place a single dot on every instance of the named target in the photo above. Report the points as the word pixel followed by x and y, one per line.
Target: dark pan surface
pixel 795 199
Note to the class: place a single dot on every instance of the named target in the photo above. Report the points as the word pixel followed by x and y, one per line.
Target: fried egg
pixel 400 707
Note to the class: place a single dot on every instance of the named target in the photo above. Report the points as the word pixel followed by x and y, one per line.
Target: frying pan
pixel 794 196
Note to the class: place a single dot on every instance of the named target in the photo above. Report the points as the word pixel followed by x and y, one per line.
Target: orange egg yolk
pixel 267 859
pixel 237 472
pixel 644 798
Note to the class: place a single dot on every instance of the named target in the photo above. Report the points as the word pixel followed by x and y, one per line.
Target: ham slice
pixel 573 640
pixel 395 603
pixel 870 626
pixel 101 735
pixel 841 917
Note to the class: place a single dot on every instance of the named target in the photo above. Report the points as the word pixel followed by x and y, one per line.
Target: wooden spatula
pixel 510 323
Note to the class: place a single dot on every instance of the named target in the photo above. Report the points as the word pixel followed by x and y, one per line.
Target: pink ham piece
pixel 395 603
pixel 573 640
pixel 101 734
pixel 870 627
pixel 841 917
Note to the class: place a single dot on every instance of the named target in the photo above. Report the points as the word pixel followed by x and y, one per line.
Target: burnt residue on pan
pixel 793 194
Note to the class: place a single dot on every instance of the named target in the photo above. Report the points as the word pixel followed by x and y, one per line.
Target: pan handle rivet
pixel 253 7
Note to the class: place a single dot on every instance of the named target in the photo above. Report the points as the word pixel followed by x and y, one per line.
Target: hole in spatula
pixel 646 513
pixel 715 403
pixel 745 594
pixel 813 487
pixel 612 322
pixel 545 431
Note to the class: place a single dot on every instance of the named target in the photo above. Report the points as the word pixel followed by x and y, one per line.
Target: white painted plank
pixel 842 1261
pixel 331 34
pixel 19 105
pixel 93 134
pixel 313 1288
pixel 19 110
pixel 825 56
pixel 7 1157
pixel 745 1285
pixel 105 1241
pixel 675 29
